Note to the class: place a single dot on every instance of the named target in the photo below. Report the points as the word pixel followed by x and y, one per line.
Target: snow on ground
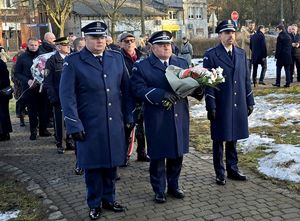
pixel 9 215
pixel 282 160
pixel 271 67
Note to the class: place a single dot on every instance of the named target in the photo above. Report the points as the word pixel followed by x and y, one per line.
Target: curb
pixel 52 211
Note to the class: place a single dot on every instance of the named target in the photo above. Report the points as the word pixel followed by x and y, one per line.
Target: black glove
pixel 171 97
pixel 78 136
pixel 250 110
pixel 198 93
pixel 130 126
pixel 211 115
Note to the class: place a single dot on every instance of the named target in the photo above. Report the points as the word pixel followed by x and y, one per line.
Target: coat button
pixel 105 75
pixel 176 115
pixel 235 105
pixel 109 104
pixel 235 82
pixel 110 118
pixel 107 90
pixel 234 93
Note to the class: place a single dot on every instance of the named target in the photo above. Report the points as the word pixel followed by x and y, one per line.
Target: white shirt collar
pixel 62 55
pixel 230 48
pixel 163 61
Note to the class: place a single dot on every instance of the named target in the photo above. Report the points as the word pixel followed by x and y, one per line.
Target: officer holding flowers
pixel 230 104
pixel 167 130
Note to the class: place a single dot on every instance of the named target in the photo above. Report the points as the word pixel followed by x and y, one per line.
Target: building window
pixel 191 12
pixel 199 12
pixel 172 15
pixel 8 3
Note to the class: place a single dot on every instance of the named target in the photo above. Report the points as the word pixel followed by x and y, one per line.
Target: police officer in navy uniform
pixel 167 131
pixel 53 71
pixel 95 98
pixel 230 105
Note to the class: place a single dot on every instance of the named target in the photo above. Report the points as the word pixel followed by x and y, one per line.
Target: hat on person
pixel 24 45
pixel 62 41
pixel 160 37
pixel 226 25
pixel 125 35
pixel 96 28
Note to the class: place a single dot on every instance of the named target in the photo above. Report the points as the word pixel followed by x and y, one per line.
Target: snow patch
pixel 9 215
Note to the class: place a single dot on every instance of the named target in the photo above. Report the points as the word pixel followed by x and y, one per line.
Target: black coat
pixel 54 66
pixel 258 47
pixel 45 47
pixel 295 39
pixel 5 124
pixel 23 65
pixel 128 62
pixel 283 49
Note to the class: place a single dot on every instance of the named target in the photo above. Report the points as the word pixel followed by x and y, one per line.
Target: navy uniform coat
pixel 167 131
pixel 233 97
pixel 258 47
pixel 92 96
pixel 283 52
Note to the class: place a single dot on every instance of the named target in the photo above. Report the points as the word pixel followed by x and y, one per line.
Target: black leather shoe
pixel 160 198
pixel 78 171
pixel 95 213
pixel 236 175
pixel 44 133
pixel 32 136
pixel 60 150
pixel 143 158
pixel 261 82
pixel 286 85
pixel 276 85
pixel 220 181
pixel 177 193
pixel 115 206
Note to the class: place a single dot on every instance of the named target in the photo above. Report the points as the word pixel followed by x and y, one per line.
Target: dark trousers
pixel 37 110
pixel 231 157
pixel 20 108
pixel 163 170
pixel 100 185
pixel 58 124
pixel 262 73
pixel 287 74
pixel 296 61
pixel 5 123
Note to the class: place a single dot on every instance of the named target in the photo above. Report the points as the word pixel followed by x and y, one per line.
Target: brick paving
pixel 52 175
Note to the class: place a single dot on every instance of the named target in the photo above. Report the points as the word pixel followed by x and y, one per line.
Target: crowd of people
pixel 96 92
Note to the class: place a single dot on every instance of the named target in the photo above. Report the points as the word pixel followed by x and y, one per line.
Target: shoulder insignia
pixel 205 58
pixel 65 63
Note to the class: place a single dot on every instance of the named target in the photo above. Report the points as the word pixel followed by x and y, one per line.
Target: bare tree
pixel 111 9
pixel 59 11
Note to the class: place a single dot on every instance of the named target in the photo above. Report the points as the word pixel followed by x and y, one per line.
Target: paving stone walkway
pixel 51 175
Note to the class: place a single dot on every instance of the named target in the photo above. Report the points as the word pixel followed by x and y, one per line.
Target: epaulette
pixel 73 53
pixel 112 50
pixel 208 50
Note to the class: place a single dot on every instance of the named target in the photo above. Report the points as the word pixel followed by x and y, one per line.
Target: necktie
pixel 165 64
pixel 99 57
pixel 230 54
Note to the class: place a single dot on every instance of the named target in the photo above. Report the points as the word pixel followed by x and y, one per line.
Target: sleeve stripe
pixel 146 95
pixel 208 95
pixel 68 118
pixel 249 94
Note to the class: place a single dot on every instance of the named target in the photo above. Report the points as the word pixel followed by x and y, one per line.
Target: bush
pixel 201 45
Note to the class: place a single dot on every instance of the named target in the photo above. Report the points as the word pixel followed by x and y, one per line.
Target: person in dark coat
pixel 5 123
pixel 167 131
pixel 53 69
pixel 295 51
pixel 95 97
pixel 229 106
pixel 48 44
pixel 131 55
pixel 283 55
pixel 259 54
pixel 37 101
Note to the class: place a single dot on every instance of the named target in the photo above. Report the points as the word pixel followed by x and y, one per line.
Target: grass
pixel 275 90
pixel 13 196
